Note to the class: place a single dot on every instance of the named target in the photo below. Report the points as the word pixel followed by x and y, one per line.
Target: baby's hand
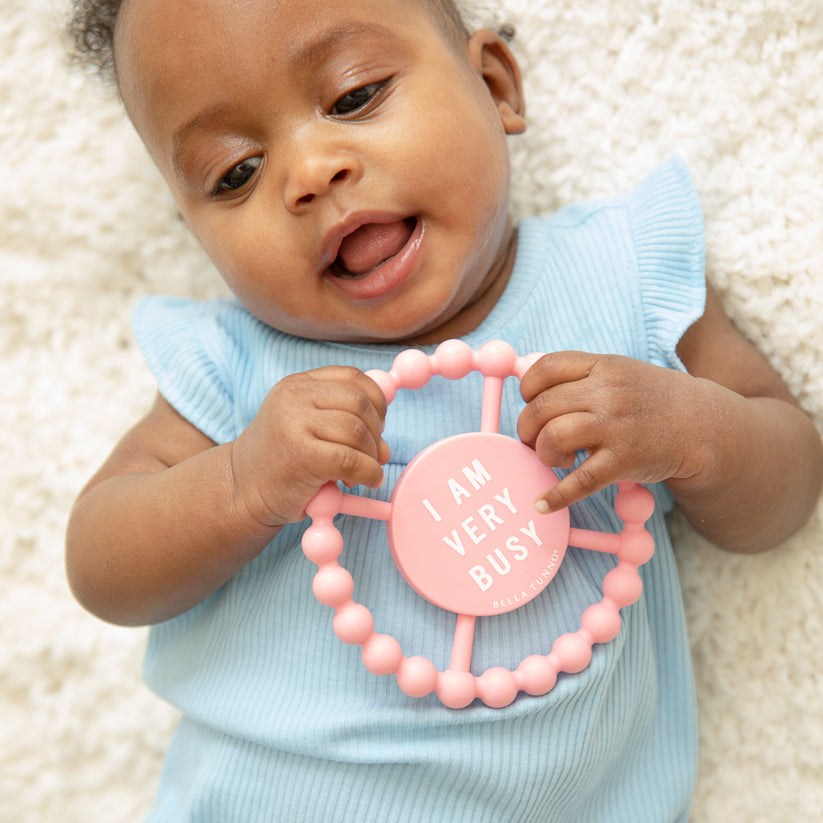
pixel 313 427
pixel 636 421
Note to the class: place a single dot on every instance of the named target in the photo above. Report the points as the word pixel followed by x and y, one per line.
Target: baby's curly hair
pixel 92 22
pixel 91 31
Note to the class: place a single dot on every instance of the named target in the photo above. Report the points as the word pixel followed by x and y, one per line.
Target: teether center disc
pixel 464 532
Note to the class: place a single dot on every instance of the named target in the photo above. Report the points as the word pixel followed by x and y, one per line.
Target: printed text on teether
pixel 482 526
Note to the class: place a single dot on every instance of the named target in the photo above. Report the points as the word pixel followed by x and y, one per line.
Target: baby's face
pixel 344 164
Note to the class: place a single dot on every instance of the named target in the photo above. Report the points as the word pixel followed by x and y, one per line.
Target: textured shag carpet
pixel 86 226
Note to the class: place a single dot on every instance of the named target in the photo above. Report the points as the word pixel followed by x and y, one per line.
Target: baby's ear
pixel 491 57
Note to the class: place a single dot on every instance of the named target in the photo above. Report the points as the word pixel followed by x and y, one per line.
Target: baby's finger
pixel 348 389
pixel 595 473
pixel 355 377
pixel 553 393
pixel 348 430
pixel 546 409
pixel 553 370
pixel 352 466
pixel 558 440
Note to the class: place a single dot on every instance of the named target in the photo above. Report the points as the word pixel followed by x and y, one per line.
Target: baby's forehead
pixel 94 25
pixel 170 25
pixel 444 13
pixel 105 27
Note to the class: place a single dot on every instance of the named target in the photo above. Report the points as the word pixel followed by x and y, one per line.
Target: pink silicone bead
pixel 417 676
pixel 537 674
pixel 322 544
pixel 573 651
pixel 386 383
pixel 456 689
pixel 326 503
pixel 636 546
pixel 602 621
pixel 453 359
pixel 412 368
pixel 353 623
pixel 623 585
pixel 497 359
pixel 523 364
pixel 382 654
pixel 633 503
pixel 332 586
pixel 497 687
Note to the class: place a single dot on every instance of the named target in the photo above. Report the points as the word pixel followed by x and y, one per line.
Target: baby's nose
pixel 312 171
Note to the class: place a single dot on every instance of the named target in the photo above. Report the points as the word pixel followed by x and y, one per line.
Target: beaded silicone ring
pixel 474 560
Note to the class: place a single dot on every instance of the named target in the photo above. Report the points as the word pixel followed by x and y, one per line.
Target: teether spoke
pixel 365 507
pixel 492 401
pixel 594 541
pixel 463 642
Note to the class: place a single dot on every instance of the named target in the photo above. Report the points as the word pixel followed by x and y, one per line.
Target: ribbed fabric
pixel 281 722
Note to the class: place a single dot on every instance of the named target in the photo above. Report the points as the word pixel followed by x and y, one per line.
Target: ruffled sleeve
pixel 667 227
pixel 181 341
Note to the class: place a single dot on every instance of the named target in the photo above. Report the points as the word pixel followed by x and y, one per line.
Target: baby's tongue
pixel 373 244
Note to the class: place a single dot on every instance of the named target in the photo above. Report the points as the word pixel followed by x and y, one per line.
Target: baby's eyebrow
pixel 210 117
pixel 319 47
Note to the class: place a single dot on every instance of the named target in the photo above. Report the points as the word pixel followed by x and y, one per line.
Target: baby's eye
pixel 357 99
pixel 237 177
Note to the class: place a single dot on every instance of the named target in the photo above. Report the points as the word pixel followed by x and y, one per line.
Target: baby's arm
pixel 744 462
pixel 170 517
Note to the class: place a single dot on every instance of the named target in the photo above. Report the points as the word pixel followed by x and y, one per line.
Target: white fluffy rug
pixel 86 226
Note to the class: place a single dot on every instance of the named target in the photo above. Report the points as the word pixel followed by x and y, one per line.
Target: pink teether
pixel 465 535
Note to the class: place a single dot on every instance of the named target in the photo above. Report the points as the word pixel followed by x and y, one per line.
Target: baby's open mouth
pixel 370 246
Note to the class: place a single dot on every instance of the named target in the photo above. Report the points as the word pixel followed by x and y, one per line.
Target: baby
pixel 345 166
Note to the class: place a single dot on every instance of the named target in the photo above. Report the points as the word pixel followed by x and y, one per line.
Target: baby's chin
pixel 392 332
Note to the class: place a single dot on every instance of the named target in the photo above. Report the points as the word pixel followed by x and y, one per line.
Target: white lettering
pixel 506 500
pixel 457 490
pixel 518 549
pixel 432 510
pixel 512 600
pixel 503 567
pixel 490 518
pixel 483 580
pixel 471 531
pixel 455 543
pixel 531 531
pixel 476 474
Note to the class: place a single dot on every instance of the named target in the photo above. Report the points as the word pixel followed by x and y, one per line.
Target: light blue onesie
pixel 281 721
